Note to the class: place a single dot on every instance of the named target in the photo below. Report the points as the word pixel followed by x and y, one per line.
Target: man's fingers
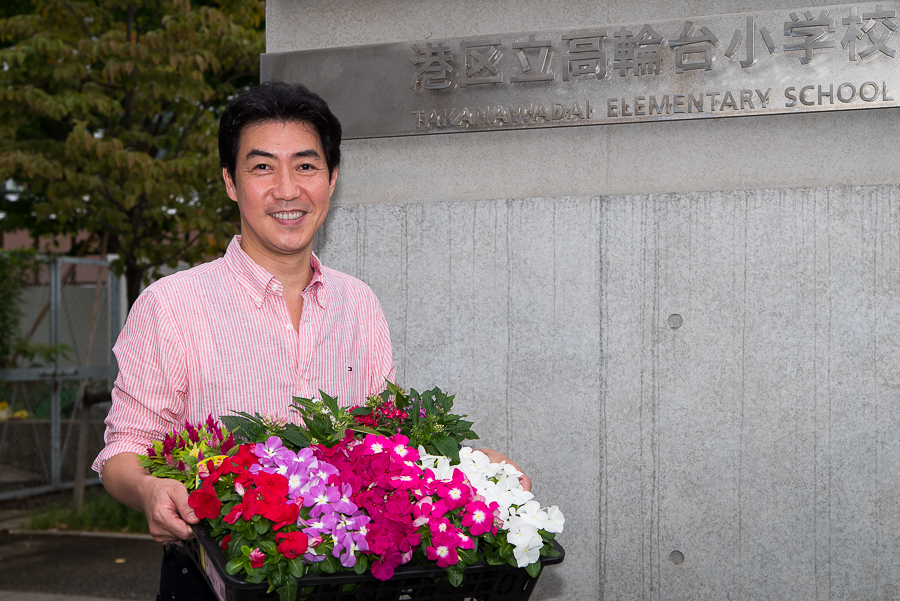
pixel 169 513
pixel 186 511
pixel 525 481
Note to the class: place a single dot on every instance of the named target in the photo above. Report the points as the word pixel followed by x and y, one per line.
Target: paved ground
pixel 71 566
pixel 46 566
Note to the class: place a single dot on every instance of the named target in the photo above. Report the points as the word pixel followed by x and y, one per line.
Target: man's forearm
pixel 123 478
pixel 163 501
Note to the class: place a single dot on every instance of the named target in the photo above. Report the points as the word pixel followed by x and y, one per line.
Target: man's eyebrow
pixel 310 152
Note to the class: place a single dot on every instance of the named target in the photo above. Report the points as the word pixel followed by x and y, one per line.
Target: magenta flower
pixel 478 517
pixel 375 445
pixel 443 550
pixel 457 492
pixel 383 568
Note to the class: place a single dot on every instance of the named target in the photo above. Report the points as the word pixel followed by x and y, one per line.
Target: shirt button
pixel 288 326
pixel 259 299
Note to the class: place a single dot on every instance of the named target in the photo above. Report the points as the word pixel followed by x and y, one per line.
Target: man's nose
pixel 286 187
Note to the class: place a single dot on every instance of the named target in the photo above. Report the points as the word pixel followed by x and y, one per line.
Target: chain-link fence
pixel 51 416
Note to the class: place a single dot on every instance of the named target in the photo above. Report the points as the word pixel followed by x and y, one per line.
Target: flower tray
pixel 419 583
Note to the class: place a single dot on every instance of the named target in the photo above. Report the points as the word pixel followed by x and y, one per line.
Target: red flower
pixel 241 461
pixel 257 558
pixel 225 541
pixel 205 502
pixel 293 543
pixel 274 484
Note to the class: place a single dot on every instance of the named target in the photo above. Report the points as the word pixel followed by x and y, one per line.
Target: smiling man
pixel 251 330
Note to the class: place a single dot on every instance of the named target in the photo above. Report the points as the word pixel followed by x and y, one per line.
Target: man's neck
pixel 293 271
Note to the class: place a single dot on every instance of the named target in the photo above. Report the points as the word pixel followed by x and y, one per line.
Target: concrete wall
pixel 534 273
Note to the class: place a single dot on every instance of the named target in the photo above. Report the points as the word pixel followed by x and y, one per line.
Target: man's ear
pixel 229 184
pixel 333 180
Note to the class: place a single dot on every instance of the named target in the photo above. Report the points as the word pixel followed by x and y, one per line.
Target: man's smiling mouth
pixel 288 215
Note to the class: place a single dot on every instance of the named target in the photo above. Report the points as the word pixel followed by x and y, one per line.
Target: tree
pixel 108 119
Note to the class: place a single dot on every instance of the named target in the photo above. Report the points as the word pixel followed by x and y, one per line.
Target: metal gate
pixel 48 426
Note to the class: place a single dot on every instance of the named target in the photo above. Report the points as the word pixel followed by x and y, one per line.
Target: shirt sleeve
pixel 148 398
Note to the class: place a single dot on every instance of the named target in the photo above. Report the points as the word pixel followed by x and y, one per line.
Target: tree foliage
pixel 108 119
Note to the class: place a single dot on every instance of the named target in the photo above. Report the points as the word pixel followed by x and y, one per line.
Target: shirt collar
pixel 258 282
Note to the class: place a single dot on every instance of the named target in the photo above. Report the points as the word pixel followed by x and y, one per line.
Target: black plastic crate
pixel 483 582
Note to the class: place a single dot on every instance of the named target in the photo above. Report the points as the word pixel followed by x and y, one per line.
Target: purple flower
pixel 267 451
pixel 344 504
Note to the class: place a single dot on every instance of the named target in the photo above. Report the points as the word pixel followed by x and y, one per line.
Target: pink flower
pixel 457 492
pixel 383 567
pixel 464 541
pixel 257 558
pixel 376 445
pixel 443 550
pixel 478 517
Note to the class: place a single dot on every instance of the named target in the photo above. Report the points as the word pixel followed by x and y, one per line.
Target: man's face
pixel 282 188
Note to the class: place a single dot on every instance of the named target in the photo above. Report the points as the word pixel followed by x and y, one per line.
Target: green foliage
pixel 324 423
pixel 108 119
pixel 15 267
pixel 430 422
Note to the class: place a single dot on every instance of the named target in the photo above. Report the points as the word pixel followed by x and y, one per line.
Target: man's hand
pixel 497 457
pixel 163 501
pixel 167 510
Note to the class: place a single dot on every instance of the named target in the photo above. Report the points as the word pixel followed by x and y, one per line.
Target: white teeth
pixel 292 215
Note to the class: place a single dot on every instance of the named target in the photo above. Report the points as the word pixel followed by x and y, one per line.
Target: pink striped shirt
pixel 218 338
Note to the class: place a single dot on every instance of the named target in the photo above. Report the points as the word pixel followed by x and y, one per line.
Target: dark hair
pixel 280 102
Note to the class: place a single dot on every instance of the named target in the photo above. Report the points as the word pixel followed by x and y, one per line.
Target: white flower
pixel 526 542
pixel 532 514
pixel 555 520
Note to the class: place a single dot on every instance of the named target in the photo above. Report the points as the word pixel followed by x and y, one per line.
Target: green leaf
pixel 362 564
pixel 447 446
pixel 296 567
pixel 235 565
pixel 455 574
pixel 330 564
pixel 288 591
pixel 361 411
pixel 533 569
pixel 468 556
pixel 256 578
pixel 296 437
pixel 365 430
pixel 330 402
